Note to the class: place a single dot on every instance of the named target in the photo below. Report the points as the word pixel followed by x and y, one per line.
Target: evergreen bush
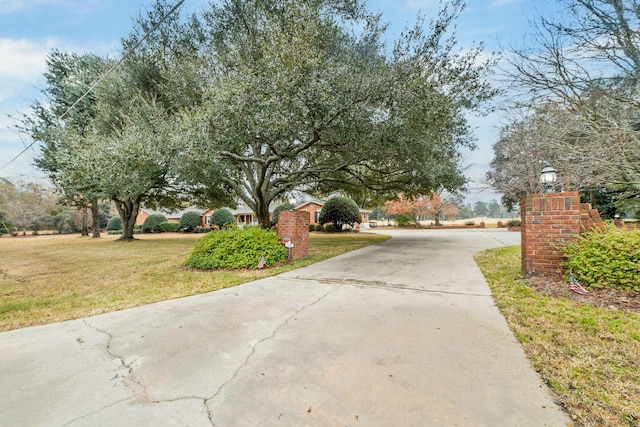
pixel 606 257
pixel 222 217
pixel 169 227
pixel 152 223
pixel 190 220
pixel 237 248
pixel 339 211
pixel 114 223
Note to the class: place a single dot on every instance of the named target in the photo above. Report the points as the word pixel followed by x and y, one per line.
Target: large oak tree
pixel 306 96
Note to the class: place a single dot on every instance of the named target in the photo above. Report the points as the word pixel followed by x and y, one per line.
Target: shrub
pixel 190 220
pixel 115 232
pixel 237 248
pixel 605 257
pixel 115 223
pixel 330 228
pixel 340 211
pixel 152 223
pixel 170 227
pixel 514 223
pixel 222 217
pixel 276 213
pixel 312 227
pixel 319 227
pixel 469 223
pixel 201 229
pixel 404 221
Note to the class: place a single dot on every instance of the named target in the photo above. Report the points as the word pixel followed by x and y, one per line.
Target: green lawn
pixel 590 357
pixel 47 279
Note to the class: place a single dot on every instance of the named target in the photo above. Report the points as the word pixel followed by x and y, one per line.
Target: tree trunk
pixel 85 222
pixel 128 210
pixel 263 215
pixel 95 217
pixel 437 217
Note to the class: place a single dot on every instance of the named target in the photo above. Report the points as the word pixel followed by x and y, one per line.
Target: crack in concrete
pixel 129 377
pixel 385 285
pixel 253 350
pixel 129 365
pixel 95 412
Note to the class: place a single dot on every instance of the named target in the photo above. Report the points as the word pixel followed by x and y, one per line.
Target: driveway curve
pixel 403 333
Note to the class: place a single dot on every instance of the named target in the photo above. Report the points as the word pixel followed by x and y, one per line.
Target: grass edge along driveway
pixel 589 356
pixel 47 279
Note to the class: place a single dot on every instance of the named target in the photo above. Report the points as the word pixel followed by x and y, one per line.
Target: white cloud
pixel 23 59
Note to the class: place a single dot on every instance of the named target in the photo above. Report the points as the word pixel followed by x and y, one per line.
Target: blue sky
pixel 30 29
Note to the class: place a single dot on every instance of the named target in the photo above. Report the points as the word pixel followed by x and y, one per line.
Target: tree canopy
pixel 303 96
pixel 255 99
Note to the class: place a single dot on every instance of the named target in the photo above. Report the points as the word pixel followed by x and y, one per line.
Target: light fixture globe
pixel 548 177
pixel 292 202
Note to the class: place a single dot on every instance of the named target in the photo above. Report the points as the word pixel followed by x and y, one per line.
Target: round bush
pixel 190 220
pixel 152 223
pixel 276 213
pixel 605 257
pixel 237 248
pixel 340 211
pixel 222 217
pixel 115 223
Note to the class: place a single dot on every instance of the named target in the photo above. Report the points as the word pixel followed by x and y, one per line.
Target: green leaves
pixel 606 257
pixel 237 248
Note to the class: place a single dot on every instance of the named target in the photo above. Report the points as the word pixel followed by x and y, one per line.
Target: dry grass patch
pixel 589 356
pixel 54 278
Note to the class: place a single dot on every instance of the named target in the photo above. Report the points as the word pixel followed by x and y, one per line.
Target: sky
pixel 31 29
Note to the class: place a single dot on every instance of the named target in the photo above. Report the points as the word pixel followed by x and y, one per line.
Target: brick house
pixel 314 207
pixel 172 216
pixel 243 214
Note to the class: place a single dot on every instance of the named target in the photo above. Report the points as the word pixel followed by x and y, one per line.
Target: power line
pixel 97 82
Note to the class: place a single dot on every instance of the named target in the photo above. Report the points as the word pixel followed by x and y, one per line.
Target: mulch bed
pixel 608 298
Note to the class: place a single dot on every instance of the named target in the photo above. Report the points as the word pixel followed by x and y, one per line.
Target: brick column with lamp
pixel 295 226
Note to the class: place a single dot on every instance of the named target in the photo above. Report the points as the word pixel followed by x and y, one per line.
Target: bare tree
pixel 581 93
pixel 24 203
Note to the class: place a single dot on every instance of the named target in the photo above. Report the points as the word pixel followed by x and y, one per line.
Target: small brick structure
pixel 295 226
pixel 549 222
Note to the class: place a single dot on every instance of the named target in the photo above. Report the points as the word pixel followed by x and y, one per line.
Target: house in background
pixel 172 216
pixel 243 214
pixel 315 206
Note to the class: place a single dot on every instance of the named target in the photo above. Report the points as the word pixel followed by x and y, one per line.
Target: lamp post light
pixel 548 178
pixel 292 203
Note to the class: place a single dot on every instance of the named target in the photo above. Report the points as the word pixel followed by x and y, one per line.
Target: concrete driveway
pixel 404 333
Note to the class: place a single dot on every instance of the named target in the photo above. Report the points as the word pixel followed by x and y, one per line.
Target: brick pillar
pixel 549 221
pixel 295 225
